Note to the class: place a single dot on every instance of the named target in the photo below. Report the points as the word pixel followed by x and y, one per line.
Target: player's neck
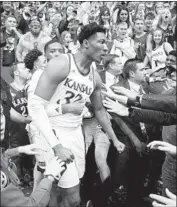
pixel 19 84
pixel 82 62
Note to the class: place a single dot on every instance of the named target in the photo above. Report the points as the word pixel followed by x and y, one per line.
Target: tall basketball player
pixel 70 80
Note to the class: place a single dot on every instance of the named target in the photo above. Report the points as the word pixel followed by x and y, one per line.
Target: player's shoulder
pixel 58 66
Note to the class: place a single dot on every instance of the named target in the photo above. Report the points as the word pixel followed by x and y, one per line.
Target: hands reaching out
pixel 161 201
pixel 115 107
pixel 31 149
pixel 162 146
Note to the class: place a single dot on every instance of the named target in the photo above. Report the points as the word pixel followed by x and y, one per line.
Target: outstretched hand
pixel 115 107
pixel 162 146
pixel 126 92
pixel 31 149
pixel 161 201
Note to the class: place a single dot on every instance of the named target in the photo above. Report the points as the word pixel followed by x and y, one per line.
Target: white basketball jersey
pixel 158 58
pixel 75 87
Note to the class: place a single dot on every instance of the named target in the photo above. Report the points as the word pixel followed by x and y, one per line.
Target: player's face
pixel 139 26
pixel 3 123
pixel 123 15
pixel 157 36
pixel 54 50
pixel 40 63
pixel 23 72
pixel 140 73
pixel 97 46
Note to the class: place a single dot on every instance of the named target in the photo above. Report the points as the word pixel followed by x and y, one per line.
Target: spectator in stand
pixel 149 7
pixel 160 50
pixel 69 14
pixel 65 40
pixel 11 35
pixel 104 20
pixel 158 10
pixel 166 24
pixel 140 38
pixel 7 10
pixel 35 38
pixel 140 10
pixel 148 20
pixel 123 16
pixel 123 46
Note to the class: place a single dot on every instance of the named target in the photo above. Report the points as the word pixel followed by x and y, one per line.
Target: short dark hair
pixel 31 57
pixel 151 15
pixel 51 42
pixel 173 52
pixel 130 65
pixel 109 59
pixel 88 30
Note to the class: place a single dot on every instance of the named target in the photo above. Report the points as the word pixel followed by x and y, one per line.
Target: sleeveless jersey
pixel 158 58
pixel 19 135
pixel 73 88
pixel 19 100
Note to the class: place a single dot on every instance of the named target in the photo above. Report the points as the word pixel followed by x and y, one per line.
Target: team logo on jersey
pixel 78 86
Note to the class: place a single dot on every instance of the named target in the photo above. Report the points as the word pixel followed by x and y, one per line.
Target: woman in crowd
pixel 66 40
pixel 104 20
pixel 160 50
pixel 123 16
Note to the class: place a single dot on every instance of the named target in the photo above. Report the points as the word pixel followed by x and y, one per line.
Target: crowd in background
pixel 140 66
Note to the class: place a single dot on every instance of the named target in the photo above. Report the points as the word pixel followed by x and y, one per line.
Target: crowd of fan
pixel 138 71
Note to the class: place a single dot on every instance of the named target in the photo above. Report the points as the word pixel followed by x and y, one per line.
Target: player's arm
pixel 101 114
pixel 56 71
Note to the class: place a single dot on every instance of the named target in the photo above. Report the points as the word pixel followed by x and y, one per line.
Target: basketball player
pixel 35 62
pixel 69 79
pixel 19 136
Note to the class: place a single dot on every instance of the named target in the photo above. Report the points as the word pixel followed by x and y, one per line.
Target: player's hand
pixel 115 107
pixel 75 108
pixel 27 120
pixel 55 168
pixel 161 201
pixel 162 146
pixel 31 149
pixel 126 92
pixel 141 148
pixel 119 145
pixel 63 153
